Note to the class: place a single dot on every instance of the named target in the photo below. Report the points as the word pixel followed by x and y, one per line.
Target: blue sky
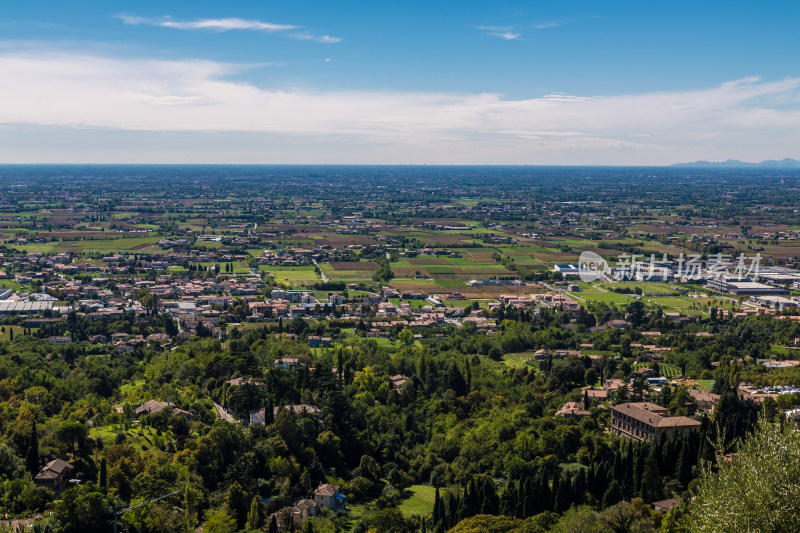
pixel 399 82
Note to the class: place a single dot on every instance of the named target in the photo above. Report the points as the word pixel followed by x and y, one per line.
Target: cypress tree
pixel 32 456
pixel 508 501
pixel 546 503
pixel 683 469
pixel 103 476
pixel 473 497
pixel 638 468
pixel 452 510
pixel 651 482
pixel 254 515
pixel 578 487
pixel 564 495
pixel 269 412
pixel 489 501
pixel 555 492
pixel 612 495
pixel 527 501
pixel 437 508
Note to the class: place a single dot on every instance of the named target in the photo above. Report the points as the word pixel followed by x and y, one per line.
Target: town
pixel 266 348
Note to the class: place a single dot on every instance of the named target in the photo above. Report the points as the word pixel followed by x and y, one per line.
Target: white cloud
pixel 507 35
pixel 743 119
pixel 227 24
pixel 501 32
pixel 545 25
pixel 324 39
pixel 222 24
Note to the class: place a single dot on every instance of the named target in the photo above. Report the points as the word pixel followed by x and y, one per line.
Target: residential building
pixel 54 475
pixel 645 421
pixel 328 495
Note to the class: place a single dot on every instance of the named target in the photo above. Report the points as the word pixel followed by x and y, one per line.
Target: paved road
pixel 223 415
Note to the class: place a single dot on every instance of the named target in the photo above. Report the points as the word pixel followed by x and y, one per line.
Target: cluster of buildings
pixel 326 496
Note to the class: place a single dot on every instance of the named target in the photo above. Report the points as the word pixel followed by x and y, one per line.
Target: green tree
pixel 236 502
pixel 254 516
pixel 218 521
pixel 81 510
pixel 32 455
pixel 757 491
pixel 651 481
pixel 72 434
pixel 102 477
pixel 613 494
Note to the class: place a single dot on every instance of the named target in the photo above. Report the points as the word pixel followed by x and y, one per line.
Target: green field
pixel 517 360
pixel 646 288
pixel 125 243
pixel 140 438
pixel 418 500
pixel 704 384
pixel 449 283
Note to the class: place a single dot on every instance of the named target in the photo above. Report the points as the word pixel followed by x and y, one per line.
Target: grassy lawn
pixel 646 288
pixel 517 360
pixel 611 298
pixel 6 334
pixel 450 283
pixel 140 438
pixel 704 384
pixel 418 500
pixel 415 304
pixel 10 284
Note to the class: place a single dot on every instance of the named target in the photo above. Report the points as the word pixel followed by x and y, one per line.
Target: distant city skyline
pixel 511 82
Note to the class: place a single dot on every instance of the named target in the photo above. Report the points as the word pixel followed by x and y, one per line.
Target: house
pixel 238 382
pixel 573 410
pixel 151 407
pixel 315 341
pixel 793 416
pixel 306 508
pixel 54 475
pixel 258 416
pixel 289 362
pixel 398 382
pixel 328 495
pixel 645 421
pixel 157 338
pixel 707 401
pixel 665 505
pixel 60 339
pixel 335 299
pixel 600 395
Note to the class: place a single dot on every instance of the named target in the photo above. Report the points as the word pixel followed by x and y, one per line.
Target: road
pixel 223 415
pixel 321 273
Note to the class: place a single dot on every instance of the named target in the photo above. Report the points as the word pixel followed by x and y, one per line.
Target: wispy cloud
pixel 744 119
pixel 222 24
pixel 228 24
pixel 325 39
pixel 501 32
pixel 545 25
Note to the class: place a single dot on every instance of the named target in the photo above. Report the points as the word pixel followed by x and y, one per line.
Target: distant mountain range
pixel 733 163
